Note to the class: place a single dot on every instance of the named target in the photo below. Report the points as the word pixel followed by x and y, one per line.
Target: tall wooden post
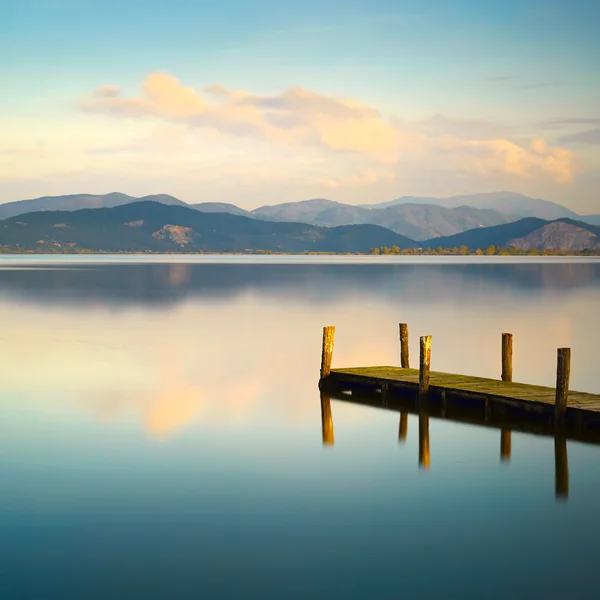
pixel 507 352
pixel 424 457
pixel 404 361
pixel 505 445
pixel 403 429
pixel 563 373
pixel 327 350
pixel 561 467
pixel 424 365
pixel 326 420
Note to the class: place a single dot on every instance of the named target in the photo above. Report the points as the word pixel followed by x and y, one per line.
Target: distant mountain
pixel 152 226
pixel 222 207
pixel 531 232
pixel 317 211
pixel 591 219
pixel 510 204
pixel 422 221
pixel 558 235
pixel 410 216
pixel 416 221
pixel 77 202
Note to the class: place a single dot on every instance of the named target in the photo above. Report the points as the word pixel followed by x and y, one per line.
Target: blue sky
pixel 467 87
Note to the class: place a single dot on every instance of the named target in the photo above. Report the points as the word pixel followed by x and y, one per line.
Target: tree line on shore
pixel 489 251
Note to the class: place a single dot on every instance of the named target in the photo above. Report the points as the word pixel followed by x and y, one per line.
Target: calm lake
pixel 160 430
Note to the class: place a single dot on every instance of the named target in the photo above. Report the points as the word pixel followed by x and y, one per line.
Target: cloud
pixel 107 91
pixel 337 128
pixel 296 116
pixel 590 137
pixel 471 129
pixel 561 122
pixel 541 85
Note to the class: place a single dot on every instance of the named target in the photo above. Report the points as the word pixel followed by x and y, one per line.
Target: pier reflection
pixel 561 467
pixel 505 444
pixel 403 428
pixel 424 456
pixel 423 413
pixel 326 420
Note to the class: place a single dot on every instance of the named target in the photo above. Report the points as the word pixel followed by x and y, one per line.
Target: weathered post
pixel 404 361
pixel 507 352
pixel 326 420
pixel 327 351
pixel 424 364
pixel 403 426
pixel 563 373
pixel 424 457
pixel 561 467
pixel 505 445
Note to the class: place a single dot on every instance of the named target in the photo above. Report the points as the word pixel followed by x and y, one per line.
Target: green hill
pixel 156 227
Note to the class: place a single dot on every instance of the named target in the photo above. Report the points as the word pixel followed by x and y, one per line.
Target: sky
pixel 266 102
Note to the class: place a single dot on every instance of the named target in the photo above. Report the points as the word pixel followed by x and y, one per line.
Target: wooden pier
pixel 501 403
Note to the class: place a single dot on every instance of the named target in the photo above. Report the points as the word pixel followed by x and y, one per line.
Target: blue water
pixel 160 431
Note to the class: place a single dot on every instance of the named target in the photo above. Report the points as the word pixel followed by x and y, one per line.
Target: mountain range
pixel 417 218
pixel 156 227
pixel 152 226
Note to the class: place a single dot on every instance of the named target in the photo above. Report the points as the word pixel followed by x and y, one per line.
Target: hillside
pixel 510 204
pixel 591 219
pixel 558 235
pixel 413 217
pixel 562 234
pixel 222 207
pixel 78 202
pixel 416 221
pixel 151 226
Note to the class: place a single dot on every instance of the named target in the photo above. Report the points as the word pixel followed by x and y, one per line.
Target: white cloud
pixel 241 142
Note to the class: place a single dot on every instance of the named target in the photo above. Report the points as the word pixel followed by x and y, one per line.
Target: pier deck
pixel 528 397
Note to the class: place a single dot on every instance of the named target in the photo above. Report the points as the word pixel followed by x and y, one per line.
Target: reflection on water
pixel 424 455
pixel 159 436
pixel 505 445
pixel 326 420
pixel 561 462
pixel 171 283
pixel 403 428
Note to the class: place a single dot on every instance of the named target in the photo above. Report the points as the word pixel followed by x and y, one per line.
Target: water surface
pixel 161 435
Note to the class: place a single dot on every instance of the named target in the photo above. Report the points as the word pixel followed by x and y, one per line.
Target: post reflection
pixel 403 428
pixel 326 420
pixel 424 457
pixel 561 466
pixel 505 444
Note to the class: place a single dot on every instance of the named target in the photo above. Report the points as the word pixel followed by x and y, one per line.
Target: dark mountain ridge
pixel 503 235
pixel 152 226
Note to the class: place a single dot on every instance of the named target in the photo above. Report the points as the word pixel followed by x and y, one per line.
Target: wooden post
pixel 327 350
pixel 424 364
pixel 505 443
pixel 404 361
pixel 424 457
pixel 563 373
pixel 326 420
pixel 507 352
pixel 561 467
pixel 403 426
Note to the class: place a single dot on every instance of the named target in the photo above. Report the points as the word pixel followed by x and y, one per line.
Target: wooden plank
pixel 463 384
